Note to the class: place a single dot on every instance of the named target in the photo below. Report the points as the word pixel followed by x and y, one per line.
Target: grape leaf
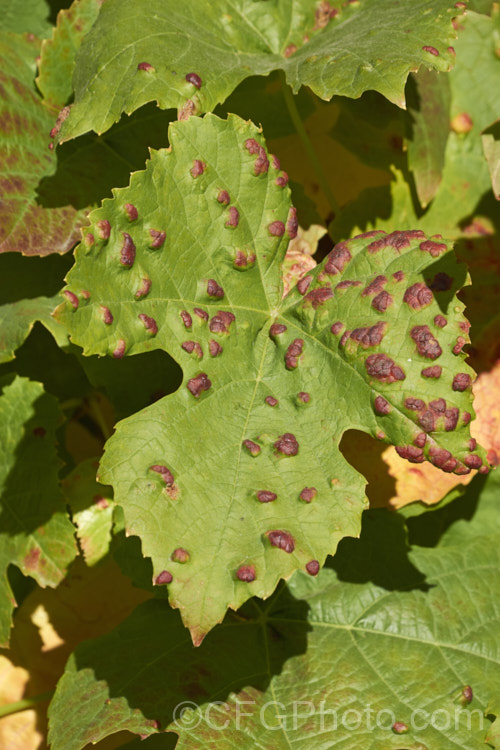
pixel 188 259
pixel 378 637
pixel 474 82
pixel 26 225
pixel 57 59
pixel 36 534
pixel 428 101
pixel 29 15
pixel 192 57
pixel 491 147
pixel 19 318
pixel 91 507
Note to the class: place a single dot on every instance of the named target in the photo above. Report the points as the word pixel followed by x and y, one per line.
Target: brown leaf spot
pixel 303 284
pixel 287 444
pixel 473 461
pixel 127 254
pixel 308 494
pixel 214 348
pixel 427 345
pixel 157 238
pixel 312 567
pixel 72 298
pixel 31 560
pixel 131 211
pixel 164 473
pixel 347 283
pixel 282 540
pixel 271 401
pixel 221 321
pixel 264 496
pixel 371 336
pixel 199 384
pixel 292 223
pixel 195 79
pixel 223 197
pixel 252 447
pixel 319 296
pixel 383 368
pixel 293 353
pixel 382 406
pixel 303 397
pixel 432 50
pixel 233 217
pixel 120 349
pixel 382 301
pixel 461 381
pixel 143 289
pixel 186 318
pixel 375 286
pixel 281 180
pixel 277 329
pixel 163 578
pixel 440 321
pixel 459 345
pixel 192 346
pixel 415 404
pixel 441 282
pixel 276 228
pixel 246 573
pixel 434 248
pixel 103 229
pixel 200 313
pixel 420 439
pixel 451 419
pixel 146 66
pixel 106 314
pixel 261 164
pixel 398 276
pixel 290 50
pixel 198 168
pixel 418 296
pixel 180 555
pixel 411 453
pixel 338 258
pixel 214 290
pixel 149 324
pixel 336 328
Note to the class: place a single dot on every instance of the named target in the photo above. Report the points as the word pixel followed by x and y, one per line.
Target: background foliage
pixel 250 264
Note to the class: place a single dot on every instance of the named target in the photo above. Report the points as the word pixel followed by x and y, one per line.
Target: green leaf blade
pixel 37 535
pixel 150 47
pixel 223 463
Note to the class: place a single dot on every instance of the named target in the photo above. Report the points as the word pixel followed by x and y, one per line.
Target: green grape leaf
pixel 19 318
pixel 491 147
pixel 36 534
pixel 26 225
pixel 192 56
pixel 428 102
pixel 474 83
pixel 382 636
pixel 91 506
pixel 57 59
pixel 241 466
pixel 26 16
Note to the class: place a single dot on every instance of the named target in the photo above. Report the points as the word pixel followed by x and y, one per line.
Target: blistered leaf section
pixel 241 466
pixel 36 533
pixel 198 54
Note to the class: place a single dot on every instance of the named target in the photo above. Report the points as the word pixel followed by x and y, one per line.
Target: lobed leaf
pixel 241 467
pixel 57 58
pixel 26 16
pixel 19 318
pixel 192 56
pixel 36 534
pixel 91 507
pixel 27 226
pixel 379 641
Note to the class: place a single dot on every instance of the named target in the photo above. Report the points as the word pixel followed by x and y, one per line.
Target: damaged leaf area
pixel 35 531
pixel 27 226
pixel 18 319
pixel 202 52
pixel 237 480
